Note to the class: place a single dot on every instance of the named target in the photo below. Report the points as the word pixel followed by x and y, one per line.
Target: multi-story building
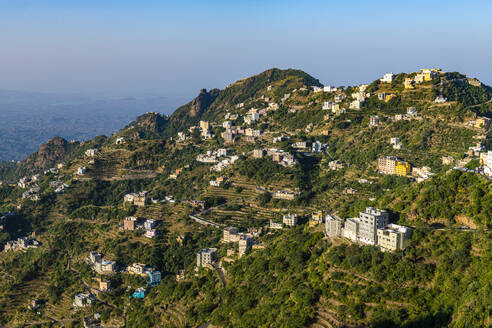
pixel 350 229
pixel 258 153
pixel 206 256
pixel 487 163
pixel 386 165
pixel 130 223
pixel 105 266
pixel 369 221
pixel 154 277
pixel 393 237
pixel 150 224
pixel 333 226
pixel 290 220
pixel 316 218
pixel 275 225
pixel 230 235
pixel 245 242
pixel 204 125
pixel 374 120
pixel 402 168
pixel 138 268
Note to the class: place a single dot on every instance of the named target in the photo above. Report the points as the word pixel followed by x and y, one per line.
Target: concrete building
pixel 387 78
pixel 393 237
pixel 139 269
pixel 258 153
pixel 139 293
pixel 374 120
pixel 204 125
pixel 230 235
pixel 290 220
pixel 369 221
pixel 350 229
pixel 316 218
pixel 403 168
pixel 81 300
pixel 154 277
pixel 335 165
pixel 90 152
pixel 120 140
pixel 206 256
pixel 130 223
pixel 81 170
pixel 150 224
pixel 386 165
pixel 105 267
pixel 487 161
pixel 245 243
pixel 333 226
pixel 276 225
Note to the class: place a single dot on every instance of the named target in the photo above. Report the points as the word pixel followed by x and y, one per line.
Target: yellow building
pixel 316 218
pixel 402 168
pixel 409 83
pixel 482 123
pixel 429 73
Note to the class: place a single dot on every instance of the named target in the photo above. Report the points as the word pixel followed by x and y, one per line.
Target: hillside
pixel 265 147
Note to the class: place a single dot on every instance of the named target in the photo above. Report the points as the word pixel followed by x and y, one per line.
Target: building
pixel 276 225
pixel 139 269
pixel 488 164
pixel 350 230
pixel 130 223
pixel 104 285
pixel 387 78
pixel 95 257
pixel 90 152
pixel 206 256
pixel 369 221
pixel 81 170
pixel 447 160
pixel 356 104
pixel 245 243
pixel 333 226
pixel 290 220
pixel 150 224
pixel 120 140
pixel 204 125
pixel 150 233
pixel 482 123
pixel 374 120
pixel 258 153
pixel 228 135
pixel 409 83
pixel 82 300
pixel 386 165
pixel 154 278
pixel 393 237
pixel 139 199
pixel 230 235
pixel 316 218
pixel 402 168
pixel 139 293
pixel 105 267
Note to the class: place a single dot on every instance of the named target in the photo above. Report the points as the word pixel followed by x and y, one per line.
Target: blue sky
pixel 134 48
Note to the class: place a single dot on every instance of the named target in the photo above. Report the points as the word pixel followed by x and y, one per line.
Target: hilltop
pixel 265 150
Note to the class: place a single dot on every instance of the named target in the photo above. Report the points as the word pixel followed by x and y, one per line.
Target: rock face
pixel 202 102
pixel 153 122
pixel 54 151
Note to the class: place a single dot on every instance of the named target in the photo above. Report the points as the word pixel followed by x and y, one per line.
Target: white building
pixel 206 256
pixel 388 77
pixel 488 163
pixel 290 220
pixel 81 170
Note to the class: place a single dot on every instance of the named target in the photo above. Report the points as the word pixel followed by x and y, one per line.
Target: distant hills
pixel 29 119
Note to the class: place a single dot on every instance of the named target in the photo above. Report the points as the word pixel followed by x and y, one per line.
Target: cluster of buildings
pixel 393 165
pixel 278 156
pixel 21 243
pixel 154 278
pixel 219 158
pixel 425 75
pixel 289 220
pixel 327 88
pixel 100 265
pixel 245 240
pixel 132 223
pixel 136 198
pixel 372 227
pixel 58 186
pixel 359 97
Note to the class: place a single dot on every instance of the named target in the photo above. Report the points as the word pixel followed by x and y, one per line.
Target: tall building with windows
pixel 333 226
pixel 369 221
pixel 206 256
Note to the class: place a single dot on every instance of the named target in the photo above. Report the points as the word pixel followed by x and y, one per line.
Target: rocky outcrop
pixel 202 102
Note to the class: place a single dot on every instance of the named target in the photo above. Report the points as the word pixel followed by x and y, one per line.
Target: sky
pixel 175 48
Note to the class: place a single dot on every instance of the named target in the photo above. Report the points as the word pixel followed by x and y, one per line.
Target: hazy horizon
pixel 130 49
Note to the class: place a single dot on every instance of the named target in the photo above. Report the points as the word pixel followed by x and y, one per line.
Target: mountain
pixel 296 151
